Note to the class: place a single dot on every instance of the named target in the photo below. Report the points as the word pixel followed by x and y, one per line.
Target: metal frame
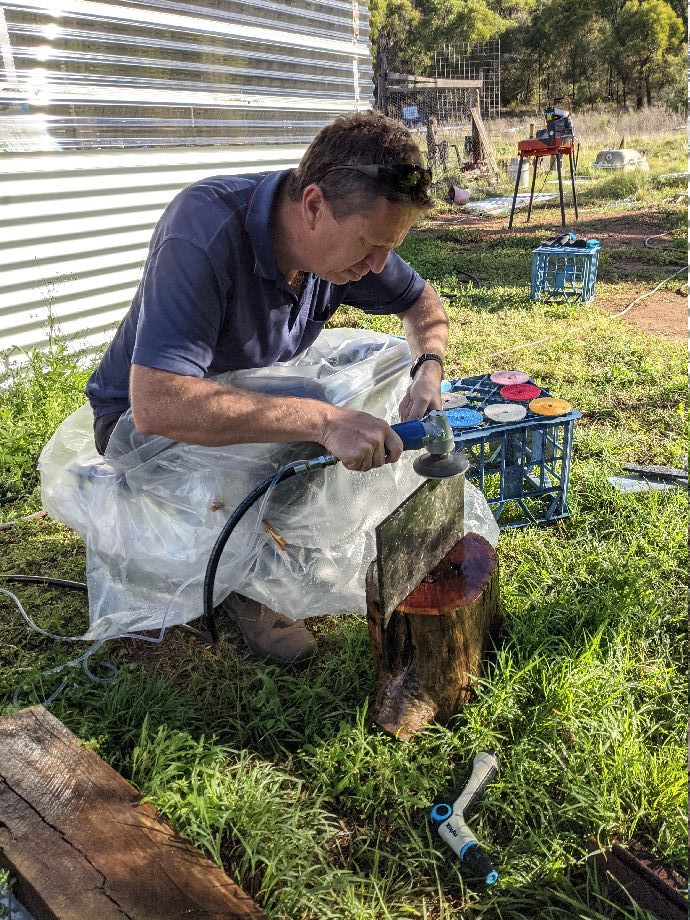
pixel 477 60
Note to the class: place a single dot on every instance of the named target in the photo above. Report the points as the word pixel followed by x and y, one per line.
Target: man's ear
pixel 314 206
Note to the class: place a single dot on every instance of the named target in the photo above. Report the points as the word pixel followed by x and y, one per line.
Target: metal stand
pixel 536 155
pixel 571 160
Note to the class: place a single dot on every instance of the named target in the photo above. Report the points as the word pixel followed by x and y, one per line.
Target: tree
pixel 453 21
pixel 395 32
pixel 645 42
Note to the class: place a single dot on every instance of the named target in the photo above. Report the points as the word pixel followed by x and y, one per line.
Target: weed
pixel 618 186
pixel 38 395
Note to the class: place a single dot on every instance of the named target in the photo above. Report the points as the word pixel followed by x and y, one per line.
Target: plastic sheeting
pixel 151 511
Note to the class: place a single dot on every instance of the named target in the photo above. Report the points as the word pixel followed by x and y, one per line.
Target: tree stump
pixel 436 638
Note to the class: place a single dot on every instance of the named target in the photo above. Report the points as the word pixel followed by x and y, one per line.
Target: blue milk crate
pixel 564 273
pixel 521 467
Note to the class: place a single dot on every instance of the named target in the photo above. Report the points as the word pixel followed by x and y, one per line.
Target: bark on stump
pixel 435 639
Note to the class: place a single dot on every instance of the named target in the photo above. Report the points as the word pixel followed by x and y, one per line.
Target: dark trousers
pixel 103 428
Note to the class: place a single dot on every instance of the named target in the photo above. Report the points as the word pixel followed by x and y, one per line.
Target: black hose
pixel 461 271
pixel 287 472
pixel 214 559
pixel 42 580
pixel 472 280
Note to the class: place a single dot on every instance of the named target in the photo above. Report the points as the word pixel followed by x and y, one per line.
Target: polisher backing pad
pixel 453 400
pixel 505 412
pixel 549 405
pixel 464 418
pixel 507 377
pixel 520 392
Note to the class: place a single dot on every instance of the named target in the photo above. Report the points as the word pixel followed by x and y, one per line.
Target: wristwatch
pixel 427 356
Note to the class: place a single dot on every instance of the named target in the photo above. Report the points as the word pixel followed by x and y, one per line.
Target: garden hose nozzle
pixel 449 819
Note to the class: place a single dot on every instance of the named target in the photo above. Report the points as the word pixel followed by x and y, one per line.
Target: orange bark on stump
pixel 435 639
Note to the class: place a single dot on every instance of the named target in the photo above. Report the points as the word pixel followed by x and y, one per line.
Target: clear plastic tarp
pixel 151 511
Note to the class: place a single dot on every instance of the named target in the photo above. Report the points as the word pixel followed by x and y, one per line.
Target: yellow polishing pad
pixel 549 405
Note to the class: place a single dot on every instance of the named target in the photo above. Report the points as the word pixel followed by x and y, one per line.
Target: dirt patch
pixel 663 313
pixel 615 229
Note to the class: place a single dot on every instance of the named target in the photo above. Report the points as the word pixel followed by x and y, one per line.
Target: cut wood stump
pixel 435 640
pixel 82 846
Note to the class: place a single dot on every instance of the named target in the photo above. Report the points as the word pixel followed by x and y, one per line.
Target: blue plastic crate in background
pixel 564 273
pixel 522 467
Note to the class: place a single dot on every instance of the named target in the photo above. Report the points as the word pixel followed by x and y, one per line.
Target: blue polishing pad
pixel 464 418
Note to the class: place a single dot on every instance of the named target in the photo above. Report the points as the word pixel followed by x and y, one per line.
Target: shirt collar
pixel 258 224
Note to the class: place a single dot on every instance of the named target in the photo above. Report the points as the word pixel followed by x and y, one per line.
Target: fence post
pixel 381 84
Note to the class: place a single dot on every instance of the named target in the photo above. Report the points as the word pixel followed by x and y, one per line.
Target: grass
pixel 281 777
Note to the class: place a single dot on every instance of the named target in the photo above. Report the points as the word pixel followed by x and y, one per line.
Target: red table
pixel 537 149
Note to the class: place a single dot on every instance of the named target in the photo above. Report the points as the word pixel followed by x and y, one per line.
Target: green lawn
pixel 282 778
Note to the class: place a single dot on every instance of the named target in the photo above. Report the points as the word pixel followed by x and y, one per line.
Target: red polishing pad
pixel 520 392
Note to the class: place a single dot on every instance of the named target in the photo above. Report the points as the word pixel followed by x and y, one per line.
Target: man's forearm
pixel 200 411
pixel 426 324
pixel 426 330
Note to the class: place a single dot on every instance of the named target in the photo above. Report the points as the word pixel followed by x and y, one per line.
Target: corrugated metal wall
pixel 108 109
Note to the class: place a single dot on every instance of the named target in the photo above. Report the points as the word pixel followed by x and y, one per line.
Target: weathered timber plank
pixel 480 127
pixel 81 844
pixel 658 890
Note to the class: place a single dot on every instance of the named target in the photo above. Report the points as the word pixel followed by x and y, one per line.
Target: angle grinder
pixel 432 432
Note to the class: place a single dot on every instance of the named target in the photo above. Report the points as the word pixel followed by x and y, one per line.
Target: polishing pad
pixel 505 412
pixel 520 392
pixel 507 377
pixel 464 418
pixel 441 466
pixel 454 400
pixel 549 405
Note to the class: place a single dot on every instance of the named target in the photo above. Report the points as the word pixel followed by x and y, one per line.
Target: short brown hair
pixel 357 140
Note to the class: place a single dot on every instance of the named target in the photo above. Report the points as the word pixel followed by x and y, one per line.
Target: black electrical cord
pixel 473 278
pixel 287 472
pixel 42 580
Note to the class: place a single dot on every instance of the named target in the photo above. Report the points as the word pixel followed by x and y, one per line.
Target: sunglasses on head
pixel 407 178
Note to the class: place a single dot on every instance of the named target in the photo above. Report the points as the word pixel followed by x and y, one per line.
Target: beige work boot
pixel 270 635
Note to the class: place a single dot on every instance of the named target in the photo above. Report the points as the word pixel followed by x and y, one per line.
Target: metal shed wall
pixel 108 109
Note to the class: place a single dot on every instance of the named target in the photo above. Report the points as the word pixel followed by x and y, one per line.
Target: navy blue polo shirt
pixel 212 299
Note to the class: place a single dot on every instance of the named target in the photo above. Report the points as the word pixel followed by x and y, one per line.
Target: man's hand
pixel 361 441
pixel 423 394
